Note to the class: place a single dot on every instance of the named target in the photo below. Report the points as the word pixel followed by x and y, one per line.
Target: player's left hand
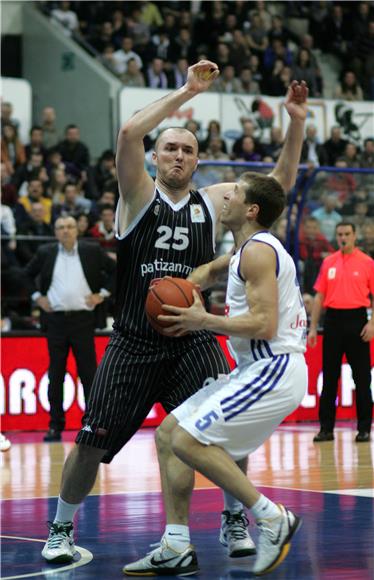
pixel 94 299
pixel 296 98
pixel 185 319
pixel 367 333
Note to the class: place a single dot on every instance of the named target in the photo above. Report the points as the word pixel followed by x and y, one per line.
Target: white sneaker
pixel 234 534
pixel 164 561
pixel 274 540
pixel 5 444
pixel 60 544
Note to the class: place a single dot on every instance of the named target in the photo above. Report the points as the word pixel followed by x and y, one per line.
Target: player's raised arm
pixel 285 171
pixel 136 185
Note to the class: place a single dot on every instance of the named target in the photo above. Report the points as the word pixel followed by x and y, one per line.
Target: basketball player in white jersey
pixel 232 416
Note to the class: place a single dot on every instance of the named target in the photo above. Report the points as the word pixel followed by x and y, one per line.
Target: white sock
pixel 177 536
pixel 264 508
pixel 65 511
pixel 231 504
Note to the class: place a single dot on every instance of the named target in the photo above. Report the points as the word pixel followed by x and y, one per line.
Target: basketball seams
pixel 181 290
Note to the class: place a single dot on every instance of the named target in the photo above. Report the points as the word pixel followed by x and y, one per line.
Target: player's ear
pixel 154 158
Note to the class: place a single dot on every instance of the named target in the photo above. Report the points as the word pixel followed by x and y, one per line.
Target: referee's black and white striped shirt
pixel 165 239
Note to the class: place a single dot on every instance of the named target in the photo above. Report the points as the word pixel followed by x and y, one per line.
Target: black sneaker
pixel 324 436
pixel 164 561
pixel 52 435
pixel 363 437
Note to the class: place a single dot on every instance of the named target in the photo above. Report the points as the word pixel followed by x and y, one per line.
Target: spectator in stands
pixel 254 65
pixel 313 248
pixel 277 50
pixel 72 203
pixel 122 56
pixel 24 172
pixel 278 31
pixel 133 77
pixel 227 82
pixel 137 27
pixel 349 88
pixel 335 145
pixel 104 36
pixel 351 155
pixel 280 79
pixel 307 42
pixel 215 150
pixel 73 150
pixel 107 58
pixel 155 75
pixel 162 46
pixel 257 35
pixel 8 189
pixel 213 131
pixel 338 34
pixel 367 156
pixel 35 194
pixel 360 217
pixel 184 45
pixel 303 69
pixel 327 216
pixel 12 150
pixel 7 115
pixel 247 85
pixel 178 74
pixel 150 14
pixel 104 230
pixel 248 130
pixel 8 225
pixel 36 143
pixel 312 152
pixel 48 125
pixel 239 50
pixel 66 17
pixel 274 148
pixel 57 185
pixel 108 197
pixel 105 174
pixel 248 151
pixel 35 226
pixel 84 225
pixel 360 20
pixel 367 240
pixel 221 54
pixel 342 183
pixel 67 304
pixel 119 28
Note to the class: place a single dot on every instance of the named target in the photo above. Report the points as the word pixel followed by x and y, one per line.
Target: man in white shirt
pixel 122 56
pixel 74 277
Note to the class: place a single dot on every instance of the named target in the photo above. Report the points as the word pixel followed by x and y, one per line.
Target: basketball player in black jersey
pixel 164 228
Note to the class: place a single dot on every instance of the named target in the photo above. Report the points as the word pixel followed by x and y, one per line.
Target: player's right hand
pixel 201 75
pixel 312 338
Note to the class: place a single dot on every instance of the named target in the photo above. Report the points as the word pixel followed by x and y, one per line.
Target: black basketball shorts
pixel 125 389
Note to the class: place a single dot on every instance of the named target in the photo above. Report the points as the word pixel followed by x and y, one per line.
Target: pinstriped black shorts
pixel 125 389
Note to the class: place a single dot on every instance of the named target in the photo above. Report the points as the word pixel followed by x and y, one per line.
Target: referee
pixel 344 285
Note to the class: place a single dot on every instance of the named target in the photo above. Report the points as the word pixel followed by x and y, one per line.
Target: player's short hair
pixel 181 130
pixel 341 224
pixel 267 193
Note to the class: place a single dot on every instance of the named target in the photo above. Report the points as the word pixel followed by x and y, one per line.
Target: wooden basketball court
pixel 330 485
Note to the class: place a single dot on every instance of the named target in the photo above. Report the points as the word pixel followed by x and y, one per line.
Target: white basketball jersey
pixel 292 321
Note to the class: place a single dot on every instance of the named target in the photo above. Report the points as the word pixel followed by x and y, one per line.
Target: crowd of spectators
pixel 257 44
pixel 152 44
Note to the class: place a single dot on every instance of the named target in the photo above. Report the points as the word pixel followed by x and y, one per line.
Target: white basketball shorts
pixel 241 410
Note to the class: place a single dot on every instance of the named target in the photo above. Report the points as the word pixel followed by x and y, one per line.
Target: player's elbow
pixel 268 328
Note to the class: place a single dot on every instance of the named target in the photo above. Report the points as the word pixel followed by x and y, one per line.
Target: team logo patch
pixel 197 214
pixel 331 273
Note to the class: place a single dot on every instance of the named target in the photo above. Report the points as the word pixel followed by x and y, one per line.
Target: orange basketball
pixel 173 291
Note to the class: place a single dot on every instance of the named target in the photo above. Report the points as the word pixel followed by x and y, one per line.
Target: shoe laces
pixel 58 533
pixel 236 525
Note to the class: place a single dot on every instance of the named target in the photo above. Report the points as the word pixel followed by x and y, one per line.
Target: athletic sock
pixel 177 537
pixel 265 509
pixel 231 504
pixel 65 511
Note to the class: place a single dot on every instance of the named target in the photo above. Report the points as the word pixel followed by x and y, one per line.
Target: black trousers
pixel 342 330
pixel 73 329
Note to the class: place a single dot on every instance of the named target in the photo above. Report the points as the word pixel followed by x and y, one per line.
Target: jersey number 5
pixel 204 423
pixel 177 239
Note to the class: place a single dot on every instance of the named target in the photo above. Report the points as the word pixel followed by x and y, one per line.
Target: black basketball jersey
pixel 165 239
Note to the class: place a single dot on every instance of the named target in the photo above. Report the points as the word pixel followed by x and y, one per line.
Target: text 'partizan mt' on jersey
pixel 292 320
pixel 165 239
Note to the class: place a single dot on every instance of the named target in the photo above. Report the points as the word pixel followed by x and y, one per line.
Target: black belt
pixel 71 312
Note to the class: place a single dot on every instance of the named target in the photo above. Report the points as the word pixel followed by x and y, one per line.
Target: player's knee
pixel 89 455
pixel 164 432
pixel 180 443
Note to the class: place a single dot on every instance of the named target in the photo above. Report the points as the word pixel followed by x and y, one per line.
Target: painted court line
pixel 86 557
pixel 362 492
